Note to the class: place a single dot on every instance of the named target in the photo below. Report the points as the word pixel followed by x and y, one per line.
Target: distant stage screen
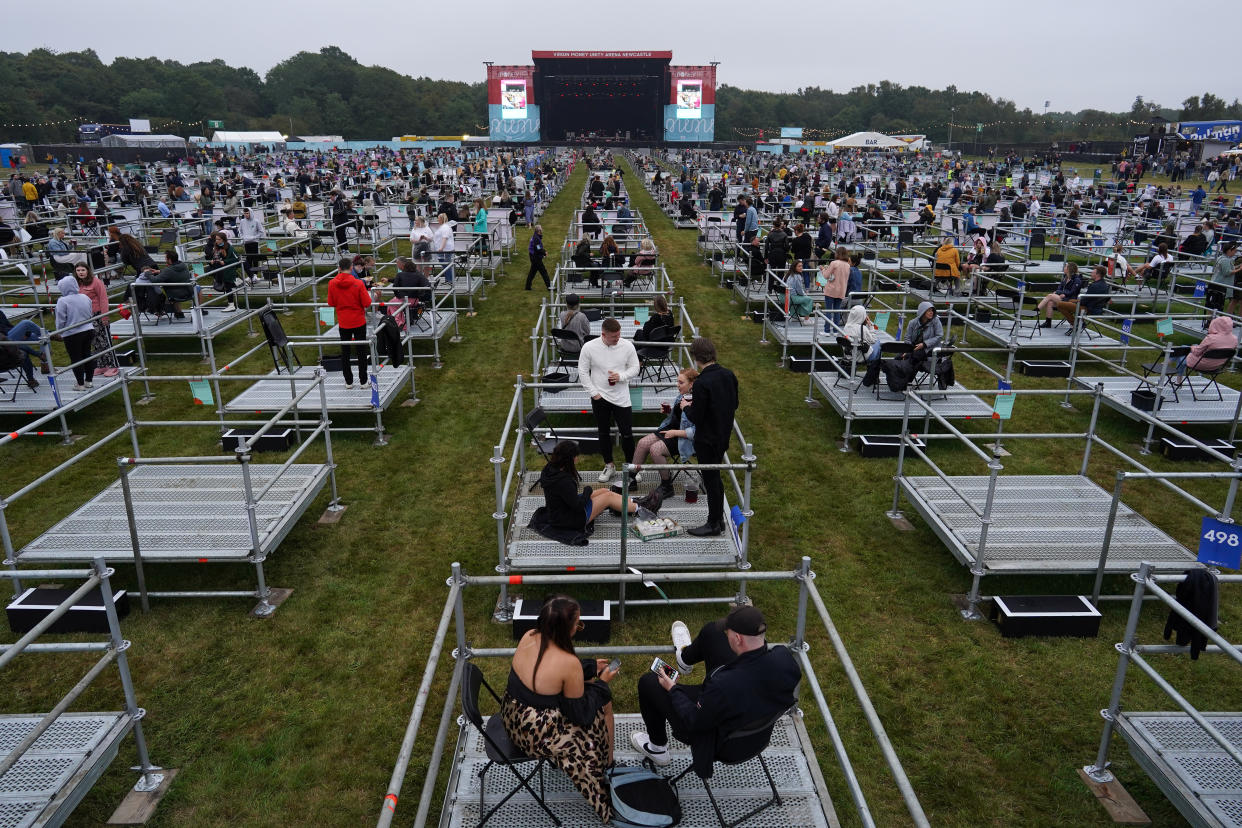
pixel 689 99
pixel 512 99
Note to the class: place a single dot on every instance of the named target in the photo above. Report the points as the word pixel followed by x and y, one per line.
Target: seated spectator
pixel 576 322
pixel 758 682
pixel 800 305
pixel 948 266
pixel 667 442
pixel 130 252
pixel 582 253
pixel 568 515
pixel 19 356
pixel 177 281
pixel 862 334
pixel 411 283
pixel 559 707
pixel 1098 287
pixel 61 251
pixel 1067 291
pixel 644 259
pixel 1220 335
pixel 974 263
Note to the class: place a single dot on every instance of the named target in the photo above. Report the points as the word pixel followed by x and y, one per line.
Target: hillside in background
pixel 44 95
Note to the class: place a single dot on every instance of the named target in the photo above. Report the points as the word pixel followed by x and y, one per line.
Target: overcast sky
pixel 1079 54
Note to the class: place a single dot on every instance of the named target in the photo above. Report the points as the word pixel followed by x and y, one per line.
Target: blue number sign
pixel 1220 543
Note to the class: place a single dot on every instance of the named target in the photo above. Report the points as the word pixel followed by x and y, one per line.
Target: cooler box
pixel 883 445
pixel 86 616
pixel 1044 368
pixel 596 615
pixel 1018 616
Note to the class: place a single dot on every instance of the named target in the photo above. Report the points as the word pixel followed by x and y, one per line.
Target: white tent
pixel 868 140
pixel 238 137
pixel 161 141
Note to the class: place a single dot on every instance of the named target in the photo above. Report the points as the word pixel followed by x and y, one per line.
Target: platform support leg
pixel 971 612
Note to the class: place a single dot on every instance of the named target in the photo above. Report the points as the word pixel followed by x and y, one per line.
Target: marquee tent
pixel 239 137
pixel 868 140
pixel 161 141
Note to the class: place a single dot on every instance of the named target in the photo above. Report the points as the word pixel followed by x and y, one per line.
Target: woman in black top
pixel 565 507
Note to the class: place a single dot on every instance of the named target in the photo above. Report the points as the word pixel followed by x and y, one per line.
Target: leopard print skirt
pixel 581 754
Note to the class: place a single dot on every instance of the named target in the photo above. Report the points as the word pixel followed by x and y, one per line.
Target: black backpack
pixel 642 799
pixel 388 340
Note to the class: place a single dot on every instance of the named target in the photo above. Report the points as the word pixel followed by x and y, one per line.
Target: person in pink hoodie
pixel 92 287
pixel 1220 335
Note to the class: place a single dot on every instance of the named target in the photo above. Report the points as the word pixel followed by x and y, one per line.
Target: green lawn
pixel 297 719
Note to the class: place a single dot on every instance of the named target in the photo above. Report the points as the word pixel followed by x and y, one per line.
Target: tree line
pixel 44 95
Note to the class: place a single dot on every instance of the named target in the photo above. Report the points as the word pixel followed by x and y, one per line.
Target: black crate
pixel 802 365
pixel 1018 616
pixel 86 616
pixel 1175 449
pixel 596 615
pixel 1143 399
pixel 278 439
pixel 1044 367
pixel 883 445
pixel 127 359
pixel 756 316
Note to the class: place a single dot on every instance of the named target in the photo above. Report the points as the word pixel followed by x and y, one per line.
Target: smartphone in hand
pixel 614 665
pixel 659 667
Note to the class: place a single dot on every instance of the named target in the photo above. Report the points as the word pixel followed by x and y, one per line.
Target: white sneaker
pixel 658 756
pixel 230 307
pixel 348 386
pixel 90 385
pixel 637 477
pixel 78 387
pixel 608 472
pixel 681 638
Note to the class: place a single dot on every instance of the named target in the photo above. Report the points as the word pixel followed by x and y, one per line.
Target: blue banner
pixel 690 129
pixel 514 129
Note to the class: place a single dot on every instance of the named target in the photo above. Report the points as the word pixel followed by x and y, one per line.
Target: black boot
pixel 1047 323
pixel 707 529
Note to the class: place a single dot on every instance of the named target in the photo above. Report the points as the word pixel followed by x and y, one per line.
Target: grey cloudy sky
pixel 1076 53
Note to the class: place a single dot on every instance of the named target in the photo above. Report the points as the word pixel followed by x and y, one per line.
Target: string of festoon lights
pixel 82 119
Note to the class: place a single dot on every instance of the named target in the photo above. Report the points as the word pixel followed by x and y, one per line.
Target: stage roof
pixel 605 55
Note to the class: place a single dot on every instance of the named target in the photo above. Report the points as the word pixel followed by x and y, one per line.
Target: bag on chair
pixel 642 799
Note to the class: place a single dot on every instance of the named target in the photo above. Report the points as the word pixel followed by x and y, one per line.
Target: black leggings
pixel 79 347
pixel 359 352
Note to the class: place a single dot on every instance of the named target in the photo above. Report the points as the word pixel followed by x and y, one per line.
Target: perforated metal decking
pixel 53 776
pixel 1041 524
pixel 269 395
pixel 739 788
pixel 891 404
pixel 529 551
pixel 1187 410
pixel 1192 770
pixel 183 513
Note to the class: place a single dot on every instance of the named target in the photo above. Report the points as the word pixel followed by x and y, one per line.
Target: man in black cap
pixel 758 683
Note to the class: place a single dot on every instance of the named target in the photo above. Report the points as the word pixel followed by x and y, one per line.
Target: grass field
pixel 297 719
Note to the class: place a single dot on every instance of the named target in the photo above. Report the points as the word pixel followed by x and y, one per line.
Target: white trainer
pixel 658 756
pixel 681 638
pixel 608 472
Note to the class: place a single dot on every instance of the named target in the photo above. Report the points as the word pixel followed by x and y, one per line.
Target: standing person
pixel 443 243
pixel 536 253
pixel 101 342
pixel 715 400
pixel 348 294
pixel 834 281
pixel 73 326
pixel 1228 270
pixel 251 231
pixel 751 228
pixel 739 218
pixel 605 368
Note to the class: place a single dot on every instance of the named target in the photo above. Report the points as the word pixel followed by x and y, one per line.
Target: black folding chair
pixel 1155 278
pixel 568 349
pixel 658 358
pixel 1151 373
pixel 737 747
pixel 1212 375
pixel 854 356
pixel 277 340
pixel 544 437
pixel 500 750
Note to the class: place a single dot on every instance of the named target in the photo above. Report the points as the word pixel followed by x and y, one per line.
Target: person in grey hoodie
pixel 925 331
pixel 73 326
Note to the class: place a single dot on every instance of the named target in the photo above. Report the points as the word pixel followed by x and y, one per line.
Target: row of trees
pixel 44 95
